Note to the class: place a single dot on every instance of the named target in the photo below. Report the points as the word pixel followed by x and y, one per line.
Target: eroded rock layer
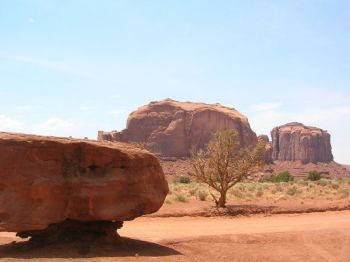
pixel 47 180
pixel 297 142
pixel 173 128
pixel 268 148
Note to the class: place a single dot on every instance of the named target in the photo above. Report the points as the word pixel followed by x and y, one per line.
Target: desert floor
pixel 322 236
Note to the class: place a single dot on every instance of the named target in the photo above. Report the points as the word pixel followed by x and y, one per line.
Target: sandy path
pixel 299 237
pixel 160 229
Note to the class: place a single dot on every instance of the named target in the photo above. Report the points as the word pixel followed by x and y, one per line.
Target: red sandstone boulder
pixel 296 142
pixel 173 128
pixel 47 180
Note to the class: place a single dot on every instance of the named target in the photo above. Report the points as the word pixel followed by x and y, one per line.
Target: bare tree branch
pixel 224 163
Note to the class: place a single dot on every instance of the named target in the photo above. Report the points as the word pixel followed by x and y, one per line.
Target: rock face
pixel 173 128
pixel 297 142
pixel 47 180
pixel 268 148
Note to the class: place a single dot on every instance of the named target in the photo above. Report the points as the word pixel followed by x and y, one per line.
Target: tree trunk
pixel 222 199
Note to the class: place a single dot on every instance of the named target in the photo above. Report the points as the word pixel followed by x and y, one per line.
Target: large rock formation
pixel 173 128
pixel 297 142
pixel 268 148
pixel 47 180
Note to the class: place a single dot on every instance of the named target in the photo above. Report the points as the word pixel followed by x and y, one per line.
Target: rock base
pixel 73 231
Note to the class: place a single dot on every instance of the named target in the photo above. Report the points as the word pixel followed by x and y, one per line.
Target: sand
pixel 323 236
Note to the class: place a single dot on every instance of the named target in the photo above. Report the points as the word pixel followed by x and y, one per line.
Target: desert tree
pixel 224 163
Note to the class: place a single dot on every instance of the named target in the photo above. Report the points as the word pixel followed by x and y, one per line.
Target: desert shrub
pixel 282 177
pixel 322 182
pixel 174 187
pixel 236 193
pixel 303 182
pixel 259 193
pixel 279 188
pixel 314 175
pixel 180 198
pixel 193 191
pixel 344 193
pixel 184 180
pixel 344 181
pixel 265 186
pixel 339 181
pixel 202 195
pixel 241 187
pixel 168 201
pixel 335 186
pixel 251 187
pixel 292 191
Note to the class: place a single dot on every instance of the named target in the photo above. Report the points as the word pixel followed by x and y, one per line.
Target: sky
pixel 73 67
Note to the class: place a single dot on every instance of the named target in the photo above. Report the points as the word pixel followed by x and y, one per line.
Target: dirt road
pixel 162 229
pixel 300 237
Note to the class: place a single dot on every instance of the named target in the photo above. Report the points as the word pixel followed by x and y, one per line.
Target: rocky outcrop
pixel 268 148
pixel 297 142
pixel 48 180
pixel 173 129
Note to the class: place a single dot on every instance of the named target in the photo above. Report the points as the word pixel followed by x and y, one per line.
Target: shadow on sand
pixel 234 210
pixel 123 247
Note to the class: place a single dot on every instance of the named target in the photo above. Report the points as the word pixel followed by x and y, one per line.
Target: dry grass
pixel 267 191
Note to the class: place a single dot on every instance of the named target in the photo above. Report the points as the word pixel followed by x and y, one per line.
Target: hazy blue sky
pixel 75 67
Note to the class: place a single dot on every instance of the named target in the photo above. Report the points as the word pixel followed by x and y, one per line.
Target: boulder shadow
pixel 122 247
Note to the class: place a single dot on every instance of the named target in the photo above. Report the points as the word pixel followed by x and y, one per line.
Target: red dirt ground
pixel 289 237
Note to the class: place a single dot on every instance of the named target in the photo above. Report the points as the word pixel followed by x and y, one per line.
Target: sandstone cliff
pixel 297 142
pixel 268 148
pixel 173 128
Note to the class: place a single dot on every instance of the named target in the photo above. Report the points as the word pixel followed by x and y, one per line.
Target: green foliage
pixel 314 175
pixel 281 177
pixel 184 180
pixel 225 163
